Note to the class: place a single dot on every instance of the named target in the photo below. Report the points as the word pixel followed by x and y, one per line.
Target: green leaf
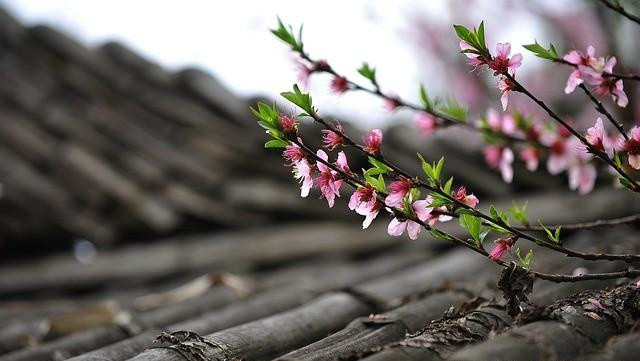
pixel 472 224
pixel 439 234
pixel 494 212
pixel 303 100
pixel 616 159
pixel 424 98
pixel 463 33
pixel 426 167
pixel 453 110
pixel 552 236
pixel 368 72
pixel 285 34
pixel 437 169
pixel 447 186
pixel 275 143
pixel 526 261
pixel 520 214
pixel 438 200
pixel 381 167
pixel 540 51
pixel 480 35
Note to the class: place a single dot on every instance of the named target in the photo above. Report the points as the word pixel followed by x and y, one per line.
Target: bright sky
pixel 232 41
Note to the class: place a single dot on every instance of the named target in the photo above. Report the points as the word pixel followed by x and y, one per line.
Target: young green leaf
pixel 526 261
pixel 453 110
pixel 447 186
pixel 427 103
pixel 520 214
pixel 368 72
pixel 275 143
pixel 540 51
pixel 287 36
pixel 381 167
pixel 297 97
pixel 552 236
pixel 473 225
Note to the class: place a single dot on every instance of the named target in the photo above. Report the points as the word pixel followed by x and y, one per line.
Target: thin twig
pixel 445 121
pixel 620 10
pixel 600 108
pixel 580 226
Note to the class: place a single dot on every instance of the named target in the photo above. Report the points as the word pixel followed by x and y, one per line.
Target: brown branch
pixel 620 10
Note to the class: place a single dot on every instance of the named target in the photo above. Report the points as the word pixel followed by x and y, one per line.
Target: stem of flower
pixel 602 110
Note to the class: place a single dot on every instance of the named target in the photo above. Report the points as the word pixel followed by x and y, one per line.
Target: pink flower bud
pixel 372 141
pixel 339 84
pixel 502 246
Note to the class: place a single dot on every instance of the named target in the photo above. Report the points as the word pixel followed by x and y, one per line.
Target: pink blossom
pixel 632 147
pixel 578 59
pixel 475 60
pixel 438 215
pixel 363 197
pixel 500 158
pixel 502 246
pixel 597 137
pixel 327 180
pixel 304 72
pixel 593 70
pixel 501 63
pixel 469 199
pixel 397 226
pixel 614 87
pixel 582 176
pixel 397 190
pixel 364 201
pixel 501 124
pixel 531 157
pixel 372 141
pixel 559 157
pixel 341 163
pixel 302 172
pixel 505 85
pixel 332 140
pixel 288 124
pixel 426 123
pixel 339 84
pixel 293 154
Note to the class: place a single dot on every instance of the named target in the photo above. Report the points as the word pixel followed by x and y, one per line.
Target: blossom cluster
pixel 386 187
pixel 595 71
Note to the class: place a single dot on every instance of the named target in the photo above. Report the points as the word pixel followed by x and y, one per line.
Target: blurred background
pixel 130 164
